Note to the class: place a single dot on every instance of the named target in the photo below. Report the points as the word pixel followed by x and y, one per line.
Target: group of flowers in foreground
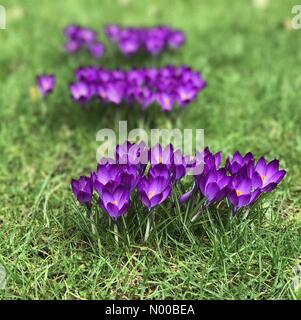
pixel 165 86
pixel 154 172
pixel 153 40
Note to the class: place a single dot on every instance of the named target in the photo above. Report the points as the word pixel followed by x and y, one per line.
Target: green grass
pixel 252 103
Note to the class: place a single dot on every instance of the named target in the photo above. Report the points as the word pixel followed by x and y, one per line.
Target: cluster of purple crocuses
pixel 153 40
pixel 79 37
pixel 166 86
pixel 154 172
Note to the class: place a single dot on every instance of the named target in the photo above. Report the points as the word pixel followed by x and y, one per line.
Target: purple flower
pixel 112 32
pixel 242 191
pixel 83 190
pixel 159 170
pixel 176 39
pixel 72 46
pixel 71 31
pixel 114 200
pixel 80 92
pixel 129 46
pixel 106 174
pixel 96 49
pixel 233 165
pixel 166 101
pixel 132 153
pixel 158 155
pixel 186 94
pixel 153 191
pixel 214 185
pixel 45 83
pixel 270 174
pixel 86 35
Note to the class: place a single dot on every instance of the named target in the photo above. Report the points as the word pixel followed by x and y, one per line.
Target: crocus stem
pixel 148 225
pixel 116 232
pixel 197 215
pixel 93 227
pixel 126 230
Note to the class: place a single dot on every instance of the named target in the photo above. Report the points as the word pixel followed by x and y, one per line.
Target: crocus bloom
pixel 45 84
pixel 166 101
pixel 115 201
pixel 270 174
pixel 176 39
pixel 158 155
pixel 153 191
pixel 96 49
pixel 80 92
pixel 241 192
pixel 213 185
pixel 83 190
pixel 72 46
pixel 233 165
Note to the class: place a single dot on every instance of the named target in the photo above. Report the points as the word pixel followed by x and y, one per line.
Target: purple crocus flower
pixel 45 83
pixel 80 92
pixel 71 31
pixel 159 170
pixel 112 32
pixel 214 185
pixel 106 174
pixel 129 45
pixel 186 94
pixel 176 39
pixel 179 167
pixel 86 35
pixel 83 190
pixel 270 174
pixel 242 191
pixel 114 200
pixel 96 49
pixel 153 191
pixel 233 165
pixel 166 101
pixel 158 155
pixel 72 46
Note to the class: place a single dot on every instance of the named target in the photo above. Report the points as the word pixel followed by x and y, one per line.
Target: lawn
pixel 250 58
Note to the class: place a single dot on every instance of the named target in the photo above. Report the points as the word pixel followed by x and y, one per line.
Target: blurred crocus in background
pixel 81 37
pixel 153 40
pixel 45 83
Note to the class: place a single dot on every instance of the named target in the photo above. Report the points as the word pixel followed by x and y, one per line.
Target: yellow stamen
pixel 238 193
pixel 160 159
pixel 263 178
pixel 150 195
pixel 115 202
pixel 183 96
pixel 166 101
